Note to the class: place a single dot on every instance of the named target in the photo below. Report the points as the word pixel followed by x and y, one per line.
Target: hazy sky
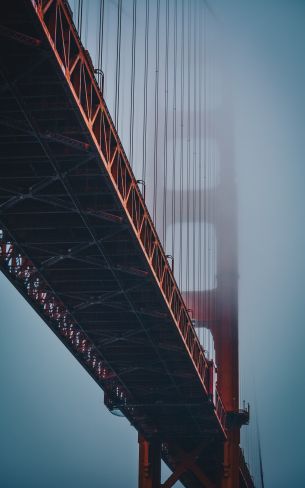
pixel 267 57
pixel 55 430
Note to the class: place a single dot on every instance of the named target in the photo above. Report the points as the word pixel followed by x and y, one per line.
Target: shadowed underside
pixel 78 243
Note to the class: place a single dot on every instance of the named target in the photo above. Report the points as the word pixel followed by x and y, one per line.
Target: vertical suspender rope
pixel 108 43
pixel 174 154
pixel 80 17
pixel 260 458
pixel 213 181
pixel 261 471
pixel 100 41
pixel 118 64
pixel 188 154
pixel 87 13
pixel 200 186
pixel 194 182
pixel 209 164
pixel 146 59
pixel 205 156
pixel 211 185
pixel 181 150
pixel 165 122
pixel 78 11
pixel 132 84
pixel 214 195
pixel 155 194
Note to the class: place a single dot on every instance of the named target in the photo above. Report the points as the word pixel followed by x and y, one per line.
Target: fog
pixel 266 54
pixel 56 430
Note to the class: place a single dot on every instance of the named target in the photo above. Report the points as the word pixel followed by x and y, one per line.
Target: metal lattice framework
pixel 77 241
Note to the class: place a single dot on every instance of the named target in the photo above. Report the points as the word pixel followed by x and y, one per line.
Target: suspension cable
pixel 118 64
pixel 100 40
pixel 80 17
pixel 165 149
pixel 155 193
pixel 194 184
pixel 188 154
pixel 146 59
pixel 132 84
pixel 181 149
pixel 174 131
pixel 205 304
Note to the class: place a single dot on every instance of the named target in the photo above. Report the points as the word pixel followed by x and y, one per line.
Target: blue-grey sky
pixel 55 430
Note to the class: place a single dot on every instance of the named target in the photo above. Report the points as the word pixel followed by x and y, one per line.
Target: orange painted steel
pixel 149 463
pixel 74 62
pixel 77 66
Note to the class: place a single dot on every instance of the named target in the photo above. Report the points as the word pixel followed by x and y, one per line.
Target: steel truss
pixel 77 241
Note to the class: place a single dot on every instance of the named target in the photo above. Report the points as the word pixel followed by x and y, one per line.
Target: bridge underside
pixel 61 215
pixel 69 246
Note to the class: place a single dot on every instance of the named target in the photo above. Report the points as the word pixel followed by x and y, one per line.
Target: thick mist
pixel 266 44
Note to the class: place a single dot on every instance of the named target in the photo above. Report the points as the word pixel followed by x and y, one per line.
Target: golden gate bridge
pixel 130 260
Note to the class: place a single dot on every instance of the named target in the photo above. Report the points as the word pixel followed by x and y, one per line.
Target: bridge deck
pixel 78 242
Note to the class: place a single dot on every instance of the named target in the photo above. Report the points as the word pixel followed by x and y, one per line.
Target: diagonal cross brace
pixel 188 463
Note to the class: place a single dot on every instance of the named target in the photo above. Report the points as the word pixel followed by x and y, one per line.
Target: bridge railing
pixel 27 278
pixel 76 65
pixel 220 409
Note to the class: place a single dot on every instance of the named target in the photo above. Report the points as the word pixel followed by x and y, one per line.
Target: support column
pixel 149 463
pixel 231 460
